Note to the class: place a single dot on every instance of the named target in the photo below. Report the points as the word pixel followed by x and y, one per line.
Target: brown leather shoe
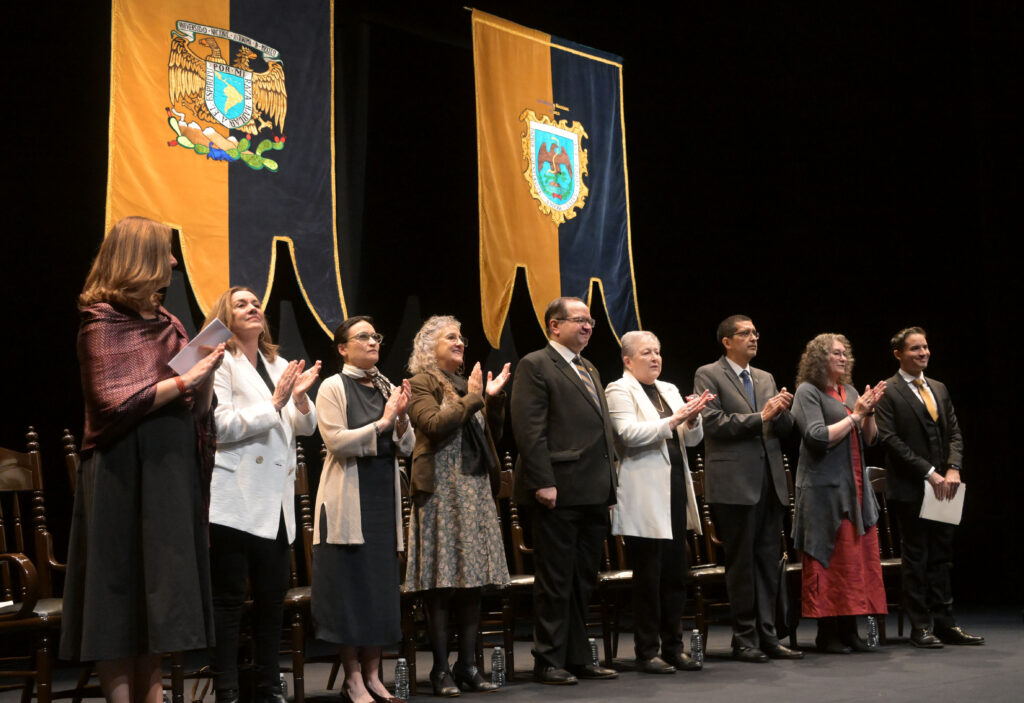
pixel 682 662
pixel 553 676
pixel 593 671
pixel 654 665
pixel 956 635
pixel 925 639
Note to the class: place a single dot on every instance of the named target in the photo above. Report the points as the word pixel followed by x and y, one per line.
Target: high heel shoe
pixel 469 679
pixel 443 685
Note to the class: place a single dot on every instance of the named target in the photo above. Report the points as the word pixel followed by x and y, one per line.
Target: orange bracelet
pixel 181 384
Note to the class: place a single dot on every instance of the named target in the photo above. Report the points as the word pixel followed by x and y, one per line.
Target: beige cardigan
pixel 339 481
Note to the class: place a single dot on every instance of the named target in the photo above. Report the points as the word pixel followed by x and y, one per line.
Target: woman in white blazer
pixel 655 500
pixel 261 406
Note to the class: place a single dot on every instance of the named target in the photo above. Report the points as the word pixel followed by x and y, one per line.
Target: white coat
pixel 254 470
pixel 643 507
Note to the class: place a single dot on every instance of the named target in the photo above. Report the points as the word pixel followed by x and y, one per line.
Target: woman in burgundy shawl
pixel 138 576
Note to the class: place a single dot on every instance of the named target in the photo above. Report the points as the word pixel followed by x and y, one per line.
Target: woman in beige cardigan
pixel 357 523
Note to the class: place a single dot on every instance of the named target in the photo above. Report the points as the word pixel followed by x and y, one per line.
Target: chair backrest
pixel 304 520
pixel 886 544
pixel 23 527
pixel 71 458
pixel 703 549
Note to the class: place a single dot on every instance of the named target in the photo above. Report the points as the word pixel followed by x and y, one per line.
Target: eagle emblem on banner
pixel 225 110
pixel 556 164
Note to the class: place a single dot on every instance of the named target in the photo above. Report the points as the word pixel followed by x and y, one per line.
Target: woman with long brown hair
pixel 138 579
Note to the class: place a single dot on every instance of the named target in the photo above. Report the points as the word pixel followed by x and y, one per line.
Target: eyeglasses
pixel 365 337
pixel 747 333
pixel 579 320
pixel 841 353
pixel 453 338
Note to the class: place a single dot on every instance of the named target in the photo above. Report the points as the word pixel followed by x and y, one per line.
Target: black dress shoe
pixel 749 654
pixel 553 676
pixel 226 695
pixel 779 651
pixel 925 639
pixel 443 685
pixel 654 665
pixel 593 671
pixel 956 635
pixel 682 662
pixel 827 640
pixel 270 694
pixel 469 679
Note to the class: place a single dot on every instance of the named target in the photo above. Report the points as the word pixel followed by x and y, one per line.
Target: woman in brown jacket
pixel 455 546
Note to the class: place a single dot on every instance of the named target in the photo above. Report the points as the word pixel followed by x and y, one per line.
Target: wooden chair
pixel 297 598
pixel 614 584
pixel 892 562
pixel 27 567
pixel 793 581
pixel 707 573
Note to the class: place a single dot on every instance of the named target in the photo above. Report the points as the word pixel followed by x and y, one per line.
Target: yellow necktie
pixel 926 396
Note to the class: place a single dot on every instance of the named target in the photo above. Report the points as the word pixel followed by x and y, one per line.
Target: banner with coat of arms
pixel 222 126
pixel 552 173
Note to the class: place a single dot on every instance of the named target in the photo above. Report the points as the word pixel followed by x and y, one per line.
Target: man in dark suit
pixel 918 428
pixel 565 470
pixel 745 484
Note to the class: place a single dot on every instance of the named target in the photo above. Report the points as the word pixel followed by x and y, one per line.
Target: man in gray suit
pixel 565 470
pixel 918 428
pixel 745 484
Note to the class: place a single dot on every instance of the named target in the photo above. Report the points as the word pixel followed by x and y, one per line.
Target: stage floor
pixel 897 672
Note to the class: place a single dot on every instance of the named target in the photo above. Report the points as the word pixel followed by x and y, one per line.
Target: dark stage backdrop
pixel 840 168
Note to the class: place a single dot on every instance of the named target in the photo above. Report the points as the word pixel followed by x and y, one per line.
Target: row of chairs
pixel 33 607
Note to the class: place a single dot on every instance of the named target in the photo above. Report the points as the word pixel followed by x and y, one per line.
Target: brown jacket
pixel 435 424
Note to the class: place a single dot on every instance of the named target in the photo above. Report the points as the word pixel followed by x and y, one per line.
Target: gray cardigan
pixel 825 487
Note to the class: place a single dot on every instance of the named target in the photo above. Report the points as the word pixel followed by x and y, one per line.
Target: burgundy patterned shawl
pixel 123 356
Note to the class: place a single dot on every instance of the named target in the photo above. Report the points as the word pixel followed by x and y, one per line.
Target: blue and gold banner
pixel 552 168
pixel 222 126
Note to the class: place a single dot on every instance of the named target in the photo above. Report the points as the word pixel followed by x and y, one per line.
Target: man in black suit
pixel 918 428
pixel 565 470
pixel 745 484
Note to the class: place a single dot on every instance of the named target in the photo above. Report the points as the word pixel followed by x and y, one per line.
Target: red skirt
pixel 852 583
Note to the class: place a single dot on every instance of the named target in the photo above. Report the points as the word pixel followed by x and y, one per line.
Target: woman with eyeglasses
pixel 455 546
pixel 357 528
pixel 836 510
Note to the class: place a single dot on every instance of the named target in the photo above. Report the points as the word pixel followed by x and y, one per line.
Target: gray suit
pixel 745 483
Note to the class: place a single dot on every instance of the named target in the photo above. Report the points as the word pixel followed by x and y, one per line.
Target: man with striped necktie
pixel 565 470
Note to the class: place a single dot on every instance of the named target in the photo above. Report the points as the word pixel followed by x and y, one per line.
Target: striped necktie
pixel 926 396
pixel 749 386
pixel 587 380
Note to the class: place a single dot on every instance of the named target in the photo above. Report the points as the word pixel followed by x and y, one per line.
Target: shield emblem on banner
pixel 557 164
pixel 228 94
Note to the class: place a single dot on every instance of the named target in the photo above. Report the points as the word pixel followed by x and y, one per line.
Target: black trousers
pixel 660 570
pixel 568 543
pixel 234 556
pixel 751 535
pixel 926 548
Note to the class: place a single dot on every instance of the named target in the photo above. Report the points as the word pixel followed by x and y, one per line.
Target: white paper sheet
pixel 943 510
pixel 211 336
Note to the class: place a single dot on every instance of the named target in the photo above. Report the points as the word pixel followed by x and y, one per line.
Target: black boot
pixel 848 634
pixel 828 641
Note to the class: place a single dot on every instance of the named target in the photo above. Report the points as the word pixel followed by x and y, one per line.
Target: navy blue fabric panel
pixel 296 201
pixel 595 243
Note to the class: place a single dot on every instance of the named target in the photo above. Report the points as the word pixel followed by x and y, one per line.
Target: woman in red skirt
pixel 835 516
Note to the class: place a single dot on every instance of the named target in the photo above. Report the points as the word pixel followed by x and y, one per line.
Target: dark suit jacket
pixel 563 438
pixel 434 425
pixel 906 430
pixel 736 441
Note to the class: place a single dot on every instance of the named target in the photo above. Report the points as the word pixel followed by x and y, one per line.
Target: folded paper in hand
pixel 214 333
pixel 943 510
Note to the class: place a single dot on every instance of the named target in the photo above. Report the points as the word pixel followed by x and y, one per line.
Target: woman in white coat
pixel 261 406
pixel 655 500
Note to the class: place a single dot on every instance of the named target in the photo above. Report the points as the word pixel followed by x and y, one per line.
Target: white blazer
pixel 254 471
pixel 643 507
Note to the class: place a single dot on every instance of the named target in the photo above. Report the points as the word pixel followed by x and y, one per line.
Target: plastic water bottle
pixel 593 652
pixel 697 648
pixel 402 679
pixel 873 632
pixel 498 667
